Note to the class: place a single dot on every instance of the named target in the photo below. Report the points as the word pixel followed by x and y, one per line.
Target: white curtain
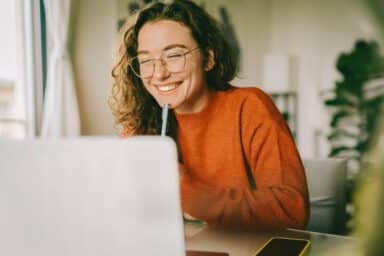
pixel 60 109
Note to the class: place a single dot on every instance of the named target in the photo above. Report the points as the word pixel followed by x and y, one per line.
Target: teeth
pixel 166 88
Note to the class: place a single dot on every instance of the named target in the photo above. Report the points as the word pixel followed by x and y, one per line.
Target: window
pixel 12 114
pixel 20 68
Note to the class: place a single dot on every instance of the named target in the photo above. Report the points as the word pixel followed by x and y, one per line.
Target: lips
pixel 167 88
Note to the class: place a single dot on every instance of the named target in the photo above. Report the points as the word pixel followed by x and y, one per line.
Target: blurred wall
pixel 301 38
pixel 93 46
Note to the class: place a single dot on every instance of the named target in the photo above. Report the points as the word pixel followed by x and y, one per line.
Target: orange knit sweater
pixel 242 166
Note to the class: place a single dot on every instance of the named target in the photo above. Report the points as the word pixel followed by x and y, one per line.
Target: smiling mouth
pixel 168 88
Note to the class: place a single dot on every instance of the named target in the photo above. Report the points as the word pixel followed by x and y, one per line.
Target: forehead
pixel 157 35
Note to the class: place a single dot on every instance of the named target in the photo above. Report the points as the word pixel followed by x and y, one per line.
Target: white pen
pixel 164 116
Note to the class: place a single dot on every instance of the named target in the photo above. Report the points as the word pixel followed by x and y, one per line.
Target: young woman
pixel 239 166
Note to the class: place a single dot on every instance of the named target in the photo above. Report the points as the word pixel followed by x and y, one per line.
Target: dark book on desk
pixel 205 253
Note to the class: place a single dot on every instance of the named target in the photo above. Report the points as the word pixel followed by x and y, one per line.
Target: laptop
pixel 90 197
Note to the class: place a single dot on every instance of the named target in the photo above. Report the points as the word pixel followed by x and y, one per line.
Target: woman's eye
pixel 144 61
pixel 173 55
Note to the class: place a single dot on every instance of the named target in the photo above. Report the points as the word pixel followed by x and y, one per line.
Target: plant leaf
pixel 338 102
pixel 338 116
pixel 338 150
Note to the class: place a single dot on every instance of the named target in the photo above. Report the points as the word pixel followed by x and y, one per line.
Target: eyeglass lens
pixel 173 59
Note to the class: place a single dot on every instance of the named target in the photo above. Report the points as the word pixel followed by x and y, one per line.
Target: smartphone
pixel 286 246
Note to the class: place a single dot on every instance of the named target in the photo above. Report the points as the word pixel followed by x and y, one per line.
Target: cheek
pixel 198 74
pixel 147 85
pixel 196 69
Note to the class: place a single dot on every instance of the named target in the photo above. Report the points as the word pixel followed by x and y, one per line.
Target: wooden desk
pixel 238 243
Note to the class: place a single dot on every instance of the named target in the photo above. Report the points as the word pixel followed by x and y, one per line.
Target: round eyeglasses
pixel 173 60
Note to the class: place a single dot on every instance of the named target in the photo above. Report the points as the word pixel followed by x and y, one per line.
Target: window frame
pixel 33 63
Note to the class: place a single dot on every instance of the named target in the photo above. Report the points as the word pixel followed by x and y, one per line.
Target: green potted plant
pixel 355 104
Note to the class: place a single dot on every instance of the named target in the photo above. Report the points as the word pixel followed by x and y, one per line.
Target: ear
pixel 210 63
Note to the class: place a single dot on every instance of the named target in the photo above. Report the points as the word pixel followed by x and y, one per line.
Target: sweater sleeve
pixel 279 198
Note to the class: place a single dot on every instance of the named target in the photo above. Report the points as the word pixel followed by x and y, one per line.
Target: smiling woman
pixel 139 114
pixel 179 80
pixel 230 140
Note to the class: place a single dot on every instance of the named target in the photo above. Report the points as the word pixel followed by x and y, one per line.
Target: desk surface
pixel 240 243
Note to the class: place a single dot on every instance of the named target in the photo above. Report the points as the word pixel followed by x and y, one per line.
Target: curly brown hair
pixel 134 109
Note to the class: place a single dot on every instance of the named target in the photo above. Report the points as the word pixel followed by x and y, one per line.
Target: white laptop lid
pixel 90 196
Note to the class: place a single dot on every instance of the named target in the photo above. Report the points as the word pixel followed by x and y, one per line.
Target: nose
pixel 160 70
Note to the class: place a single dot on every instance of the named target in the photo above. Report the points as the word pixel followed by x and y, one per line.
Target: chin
pixel 172 105
pixel 161 102
pixel 172 101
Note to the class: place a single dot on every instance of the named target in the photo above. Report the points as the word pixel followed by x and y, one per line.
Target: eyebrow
pixel 165 48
